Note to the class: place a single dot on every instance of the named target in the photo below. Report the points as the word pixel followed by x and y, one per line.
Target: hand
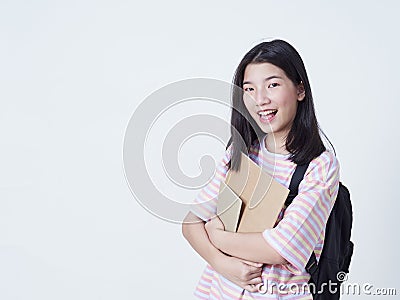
pixel 215 224
pixel 245 274
pixel 212 227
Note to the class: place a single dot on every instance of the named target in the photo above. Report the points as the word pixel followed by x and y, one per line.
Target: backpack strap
pixel 312 264
pixel 297 177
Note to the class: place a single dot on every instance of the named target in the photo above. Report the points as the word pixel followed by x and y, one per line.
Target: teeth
pixel 267 112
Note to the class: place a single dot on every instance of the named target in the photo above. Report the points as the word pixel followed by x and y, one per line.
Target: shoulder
pixel 326 159
pixel 324 166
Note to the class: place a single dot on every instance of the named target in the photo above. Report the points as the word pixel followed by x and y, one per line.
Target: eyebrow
pixel 265 79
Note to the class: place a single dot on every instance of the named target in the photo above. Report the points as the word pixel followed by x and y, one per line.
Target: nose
pixel 261 97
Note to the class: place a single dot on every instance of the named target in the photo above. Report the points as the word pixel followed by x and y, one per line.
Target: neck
pixel 276 144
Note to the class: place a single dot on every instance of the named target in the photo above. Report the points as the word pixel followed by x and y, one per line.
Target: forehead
pixel 259 71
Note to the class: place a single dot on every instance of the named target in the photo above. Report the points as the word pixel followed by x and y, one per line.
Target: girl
pixel 273 120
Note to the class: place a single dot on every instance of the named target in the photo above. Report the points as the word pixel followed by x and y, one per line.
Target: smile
pixel 267 115
pixel 267 112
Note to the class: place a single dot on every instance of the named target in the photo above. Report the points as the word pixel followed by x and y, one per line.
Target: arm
pixel 249 246
pixel 246 274
pixel 294 238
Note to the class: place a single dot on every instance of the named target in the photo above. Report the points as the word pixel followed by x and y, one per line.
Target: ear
pixel 301 93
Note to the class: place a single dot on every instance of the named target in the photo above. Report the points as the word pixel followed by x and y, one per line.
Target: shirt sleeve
pixel 205 204
pixel 299 231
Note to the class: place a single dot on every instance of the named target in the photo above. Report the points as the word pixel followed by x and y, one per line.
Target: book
pixel 250 200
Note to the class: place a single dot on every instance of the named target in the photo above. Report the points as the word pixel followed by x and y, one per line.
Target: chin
pixel 265 128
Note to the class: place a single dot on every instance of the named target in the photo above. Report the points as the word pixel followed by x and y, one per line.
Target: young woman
pixel 273 120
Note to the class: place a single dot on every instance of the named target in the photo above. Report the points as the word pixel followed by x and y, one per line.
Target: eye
pixel 248 89
pixel 272 85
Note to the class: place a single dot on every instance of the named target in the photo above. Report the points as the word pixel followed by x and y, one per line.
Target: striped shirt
pixel 299 230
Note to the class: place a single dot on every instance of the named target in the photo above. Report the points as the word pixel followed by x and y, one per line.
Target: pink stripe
pixel 215 185
pixel 290 233
pixel 282 238
pixel 300 233
pixel 306 221
pixel 317 218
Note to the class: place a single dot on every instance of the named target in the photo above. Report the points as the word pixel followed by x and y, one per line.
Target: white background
pixel 71 75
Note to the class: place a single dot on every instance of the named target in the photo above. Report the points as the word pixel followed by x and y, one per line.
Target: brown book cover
pixel 261 197
pixel 228 208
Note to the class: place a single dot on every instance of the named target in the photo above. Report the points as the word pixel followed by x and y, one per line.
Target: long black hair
pixel 303 141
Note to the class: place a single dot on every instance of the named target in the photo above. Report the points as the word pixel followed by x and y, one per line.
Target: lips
pixel 267 115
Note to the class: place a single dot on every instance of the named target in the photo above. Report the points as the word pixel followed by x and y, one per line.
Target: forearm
pixel 250 246
pixel 246 274
pixel 194 232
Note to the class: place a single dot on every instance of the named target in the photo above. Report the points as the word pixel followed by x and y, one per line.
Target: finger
pixel 251 263
pixel 255 281
pixel 249 277
pixel 251 288
pixel 253 270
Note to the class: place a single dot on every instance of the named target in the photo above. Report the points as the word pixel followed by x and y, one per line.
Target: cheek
pixel 247 102
pixel 248 110
pixel 246 98
pixel 291 109
pixel 289 103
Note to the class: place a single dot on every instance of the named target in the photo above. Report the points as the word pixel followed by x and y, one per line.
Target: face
pixel 271 97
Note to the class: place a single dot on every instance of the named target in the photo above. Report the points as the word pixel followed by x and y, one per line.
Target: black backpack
pixel 333 265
